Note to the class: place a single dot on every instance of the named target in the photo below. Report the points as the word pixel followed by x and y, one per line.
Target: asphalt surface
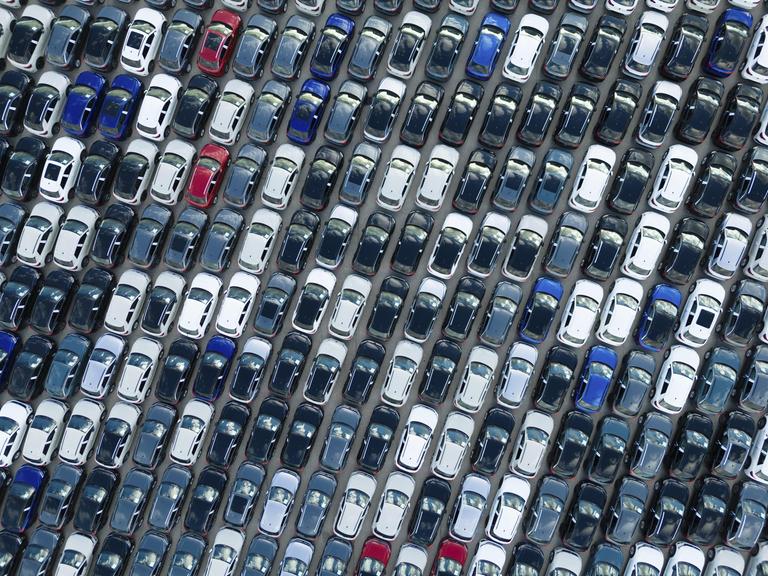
pixel 345 268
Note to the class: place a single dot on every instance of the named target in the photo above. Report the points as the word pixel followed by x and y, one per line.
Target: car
pixel 142 41
pixel 220 239
pixel 139 370
pixel 253 47
pixel 757 262
pixel 648 555
pixel 513 179
pixel 728 43
pixel 185 235
pixel 355 505
pixel 581 313
pixel 301 435
pixel 546 511
pixel 539 113
pixel 745 309
pixel 77 553
pixel 595 380
pixel 95 499
pixel 583 517
pixel 282 494
pixel 603 47
pixel 281 176
pixel 464 307
pixel 237 304
pixel 461 112
pixel 645 245
pixel 52 302
pixel 691 445
pixel 15 418
pixel 292 46
pixel 411 557
pixel 592 178
pixel 151 551
pixel 15 89
pixel 335 236
pixel 154 435
pixel 673 179
pixel 516 374
pixel 745 519
pixel 207 175
pixel 117 435
pixel 617 114
pixel 67 365
pixel 101 367
pixel 700 313
pixel 679 368
pixel 308 110
pixel 753 68
pixel 17 296
pixel 684 47
pixel 205 500
pixel 531 444
pixel 374 557
pixel 105 38
pixel 260 556
pixel 37 557
pixel 44 432
pixel 500 313
pixel 751 191
pixel 124 310
pixel 133 176
pixel 526 47
pixel 562 52
pixel 393 505
pixel 425 308
pixel 500 115
pixel 685 251
pixel 218 43
pixel 24 168
pixel 378 438
pixel 181 37
pixel 540 309
pixel 62 490
pixel 570 446
pixel 608 450
pixel 266 432
pixel 119 107
pixel 488 556
pixel 187 442
pixel 421 115
pixel 450 245
pixel 625 513
pixel 416 437
pixel 698 114
pixel 373 243
pixel 368 49
pixel 660 108
pixel 91 299
pixel 12 217
pixel 506 513
pixel 298 555
pixel 577 114
pixel 384 109
pixel 66 39
pixel 75 238
pixel 45 104
pixel 487 47
pixel 451 557
pixel 474 181
pixel 196 103
pixel 268 111
pixel 729 246
pixel 619 314
pixel 630 181
pixel 739 118
pixel 446 47
pixel 659 317
pixel 97 172
pixel 331 47
pixel 172 172
pixel 555 378
pixel 29 38
pixel 645 45
pixel 723 555
pixel 338 441
pixel 408 45
pixel 401 373
pixel 551 180
pixel 214 368
pixel 313 300
pixel 38 236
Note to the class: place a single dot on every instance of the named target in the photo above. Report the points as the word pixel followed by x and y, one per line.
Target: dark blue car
pixel 331 46
pixel 9 347
pixel 485 53
pixel 595 380
pixel 82 104
pixel 23 497
pixel 659 317
pixel 308 111
pixel 731 36
pixel 120 106
pixel 214 368
pixel 540 310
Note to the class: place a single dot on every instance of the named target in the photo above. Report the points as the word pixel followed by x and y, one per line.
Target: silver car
pixel 280 499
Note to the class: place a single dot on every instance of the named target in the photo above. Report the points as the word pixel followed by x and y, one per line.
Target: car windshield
pixel 280 495
pixel 488 568
pixel 192 423
pixel 357 497
pixel 473 500
pixel 294 566
pixel 340 431
pixel 457 437
pixel 303 429
pixel 448 566
pixel 396 498
pixel 72 558
pixel 380 431
pixel 520 365
pixel 206 493
pixel 184 560
pixel 644 569
pixel 266 422
pixel 685 569
pixel 680 369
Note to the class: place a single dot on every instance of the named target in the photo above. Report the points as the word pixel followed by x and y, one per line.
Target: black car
pixel 714 179
pixel 205 500
pixel 297 242
pixel 464 308
pixel 334 240
pixel 387 308
pixel 345 112
pixel 97 173
pixel 576 115
pixel 195 106
pixel 631 180
pixel 584 516
pixel 289 364
pixel 634 383
pixel 603 47
pixel 649 450
pixel 320 179
pixel 513 179
pixel 445 50
pixel 179 42
pixel 61 493
pixel 363 372
pixel 440 372
pixel 188 555
pixel 732 445
pixel 176 370
pixel 608 449
pixel 23 169
pixel 17 297
pixel 112 559
pixel 527 558
pixel 151 232
pixel 220 240
pixel 716 380
pixel 486 248
pixel 753 382
pixel 751 191
pixel 739 116
pixel 67 366
pixel 242 177
pixel 268 6
pixel 162 302
pixel 360 172
pixel 12 218
pixel 30 368
pixel 571 445
pixel 492 441
pixel 539 113
pixel 185 236
pixel 500 115
pixel 155 434
pixel 52 301
pixel 565 244
pixel 475 180
pixel 95 500
pixel 317 501
pixel 36 559
pixel 340 437
pixel 555 379
pixel 691 446
pixel 170 496
pixel 546 511
pixel 378 438
pixel 373 243
pixel 388 7
pixel 228 433
pixel 274 303
pixel 266 431
pixel 684 46
pixel 41 106
pixel 421 114
pixel 382 113
pixel 551 181
pixel 625 514
pixel 253 47
pixel 666 515
pixel 746 515
pixel 336 557
pixel 500 313
pixel 268 111
pixel 90 301
pixel 689 240
pixel 111 239
pixel 292 47
pixel 261 556
pixel 706 515
pixel 67 36
pixel 413 240
pixel 744 313
pixel 429 511
pixel 525 247
pixel 425 308
pixel 461 112
pixel 244 494
pixel 564 47
pixel 369 48
pixel 618 112
pixel 105 38
pixel 301 435
pixel 150 554
pixel 249 370
pixel 605 247
pixel 15 88
pixel 698 113
pixel 605 559
pixel 132 500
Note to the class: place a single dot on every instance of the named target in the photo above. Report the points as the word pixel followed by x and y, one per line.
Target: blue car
pixel 214 368
pixel 659 317
pixel 82 105
pixel 23 497
pixel 308 111
pixel 595 380
pixel 120 106
pixel 485 53
pixel 731 36
pixel 540 310
pixel 335 38
pixel 9 347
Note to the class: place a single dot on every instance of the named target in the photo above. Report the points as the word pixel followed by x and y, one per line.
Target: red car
pixel 373 558
pixel 450 560
pixel 207 175
pixel 219 43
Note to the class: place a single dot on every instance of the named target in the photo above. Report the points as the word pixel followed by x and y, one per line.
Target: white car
pixel 729 246
pixel 311 7
pixel 517 374
pixel 490 558
pixel 437 176
pixel 313 300
pixel 199 305
pixel 44 432
pixel 644 554
pixel 297 557
pixel 410 40
pixel 526 244
pixel 280 499
pixel 620 311
pixel 757 260
pixel 144 154
pixel 507 509
pixel 452 445
pixel 756 63
pixel 526 47
pixel 153 120
pixel 226 549
pixel 580 314
pixel 139 370
pixel 531 445
pixel 102 364
pixel 564 562
pixel 454 234
pixel 476 380
pixel 60 170
pixel 142 41
pixel 723 559
pixel 623 7
pixel 592 179
pixel 676 379
pixel 393 505
pixel 51 87
pixel 76 555
pixel 231 110
pixel 40 18
pixel 237 304
pixel 349 306
pixel 38 235
pixel 282 176
pixel 416 438
pixel 469 507
pixel 700 313
pixel 337 231
pixel 15 417
pixel 81 431
pixel 646 43
pixel 7 20
pixel 354 505
pixel 684 557
pixel 260 240
pixel 702 6
pixel 324 371
pixel 411 559
pixel 163 303
pixel 172 172
pixel 401 373
pixel 398 177
pixel 673 179
pixel 73 244
pixel 645 245
pixel 188 439
pixel 488 244
pixel 124 308
pixel 759 562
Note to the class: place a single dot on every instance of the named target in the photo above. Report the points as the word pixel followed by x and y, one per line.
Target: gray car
pixel 244 494
pixel 341 435
pixel 317 500
pixel 102 365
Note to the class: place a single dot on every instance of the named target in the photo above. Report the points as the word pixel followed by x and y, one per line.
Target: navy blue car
pixel 332 45
pixel 659 317
pixel 485 53
pixel 727 44
pixel 308 111
pixel 23 497
pixel 214 367
pixel 9 347
pixel 120 106
pixel 540 310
